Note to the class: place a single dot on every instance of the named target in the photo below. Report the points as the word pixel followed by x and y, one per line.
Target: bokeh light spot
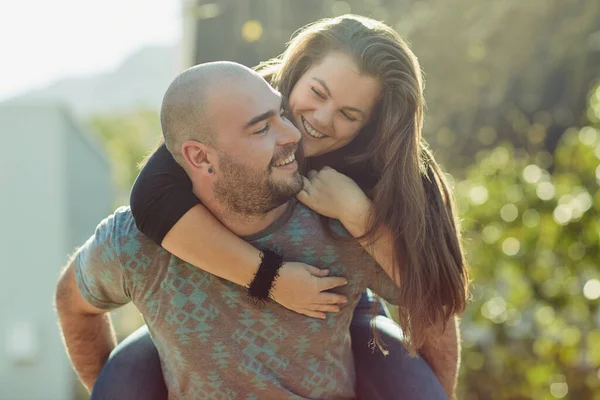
pixel 532 173
pixel 544 315
pixel 583 201
pixel 562 214
pixel 500 156
pixel 545 191
pixel 493 308
pixel 559 389
pixel 591 289
pixel 478 195
pixel 476 51
pixel 491 234
pixel 509 212
pixel 252 30
pixel 511 246
pixel 588 135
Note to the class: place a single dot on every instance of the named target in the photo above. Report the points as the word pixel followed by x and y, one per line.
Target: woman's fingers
pixel 306 184
pixel 331 282
pixel 330 298
pixel 312 314
pixel 319 310
pixel 324 308
pixel 317 271
pixel 304 195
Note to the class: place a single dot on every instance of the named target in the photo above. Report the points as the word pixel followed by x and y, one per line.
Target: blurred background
pixel 513 94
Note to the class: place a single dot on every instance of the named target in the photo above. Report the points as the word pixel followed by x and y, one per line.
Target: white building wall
pixel 47 207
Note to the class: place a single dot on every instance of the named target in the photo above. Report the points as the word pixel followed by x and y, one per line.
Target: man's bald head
pixel 185 113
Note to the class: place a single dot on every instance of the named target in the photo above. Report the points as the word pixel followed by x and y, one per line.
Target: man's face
pixel 257 170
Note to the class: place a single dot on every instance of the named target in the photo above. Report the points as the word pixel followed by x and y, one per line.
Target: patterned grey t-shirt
pixel 213 342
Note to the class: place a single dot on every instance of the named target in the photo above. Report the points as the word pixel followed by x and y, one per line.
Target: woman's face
pixel 331 102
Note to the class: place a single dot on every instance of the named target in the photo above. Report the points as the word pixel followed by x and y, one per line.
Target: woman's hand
pixel 301 288
pixel 333 195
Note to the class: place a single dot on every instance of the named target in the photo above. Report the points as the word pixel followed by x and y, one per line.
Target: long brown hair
pixel 390 160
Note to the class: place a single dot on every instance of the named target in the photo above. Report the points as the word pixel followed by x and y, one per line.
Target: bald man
pixel 214 342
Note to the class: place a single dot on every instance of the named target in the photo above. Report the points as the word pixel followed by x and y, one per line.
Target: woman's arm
pixel 381 249
pixel 201 240
pixel 337 196
pixel 166 210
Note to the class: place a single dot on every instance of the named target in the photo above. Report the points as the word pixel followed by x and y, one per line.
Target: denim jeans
pixel 133 370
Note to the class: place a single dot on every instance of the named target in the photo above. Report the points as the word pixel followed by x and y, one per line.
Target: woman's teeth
pixel 311 131
pixel 287 161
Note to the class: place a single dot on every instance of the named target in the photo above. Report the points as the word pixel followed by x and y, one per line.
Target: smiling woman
pixel 332 102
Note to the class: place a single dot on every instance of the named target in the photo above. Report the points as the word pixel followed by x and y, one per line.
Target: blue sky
pixel 42 41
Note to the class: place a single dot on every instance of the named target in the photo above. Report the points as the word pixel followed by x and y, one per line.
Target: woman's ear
pixel 198 157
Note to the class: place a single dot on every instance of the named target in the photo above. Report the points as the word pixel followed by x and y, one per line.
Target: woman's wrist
pixel 356 221
pixel 261 286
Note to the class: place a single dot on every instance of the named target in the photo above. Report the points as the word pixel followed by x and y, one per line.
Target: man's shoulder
pixel 122 212
pixel 120 220
pixel 120 225
pixel 323 242
pixel 310 219
pixel 117 237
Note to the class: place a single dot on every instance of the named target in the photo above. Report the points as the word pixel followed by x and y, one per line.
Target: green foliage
pixel 510 70
pixel 127 139
pixel 532 226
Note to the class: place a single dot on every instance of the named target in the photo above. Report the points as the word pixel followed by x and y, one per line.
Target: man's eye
pixel 319 94
pixel 263 130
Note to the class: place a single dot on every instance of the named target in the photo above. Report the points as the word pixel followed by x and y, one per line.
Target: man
pixel 223 124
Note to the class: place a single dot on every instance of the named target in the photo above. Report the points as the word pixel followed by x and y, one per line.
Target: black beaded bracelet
pixel 260 288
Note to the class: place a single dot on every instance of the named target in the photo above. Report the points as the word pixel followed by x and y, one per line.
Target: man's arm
pixel 87 331
pixel 444 357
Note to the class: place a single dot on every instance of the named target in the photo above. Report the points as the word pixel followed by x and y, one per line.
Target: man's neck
pixel 244 225
pixel 240 224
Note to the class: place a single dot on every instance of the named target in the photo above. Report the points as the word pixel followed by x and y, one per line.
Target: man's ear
pixel 198 156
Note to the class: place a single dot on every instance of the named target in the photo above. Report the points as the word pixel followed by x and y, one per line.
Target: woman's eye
pixel 348 117
pixel 315 91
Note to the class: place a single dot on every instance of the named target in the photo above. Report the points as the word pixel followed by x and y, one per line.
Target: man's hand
pixel 301 288
pixel 87 330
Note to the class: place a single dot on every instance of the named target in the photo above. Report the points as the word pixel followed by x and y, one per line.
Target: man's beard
pixel 251 192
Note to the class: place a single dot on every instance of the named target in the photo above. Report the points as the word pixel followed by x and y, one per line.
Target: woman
pixel 354 90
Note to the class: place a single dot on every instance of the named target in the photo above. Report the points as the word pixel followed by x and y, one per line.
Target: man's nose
pixel 288 133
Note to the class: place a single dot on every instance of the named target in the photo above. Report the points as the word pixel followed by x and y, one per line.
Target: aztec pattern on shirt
pixel 213 342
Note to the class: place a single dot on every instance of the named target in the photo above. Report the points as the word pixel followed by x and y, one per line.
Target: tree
pixel 531 330
pixel 128 138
